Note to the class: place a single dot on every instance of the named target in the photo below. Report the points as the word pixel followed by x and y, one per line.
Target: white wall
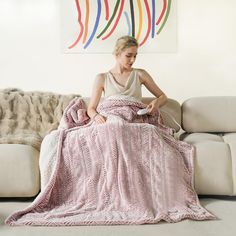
pixel 204 65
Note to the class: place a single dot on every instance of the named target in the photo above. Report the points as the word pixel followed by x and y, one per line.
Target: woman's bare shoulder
pixel 141 71
pixel 142 74
pixel 100 78
pixel 101 75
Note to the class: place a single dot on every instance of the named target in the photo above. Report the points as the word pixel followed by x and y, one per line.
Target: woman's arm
pixel 97 90
pixel 149 83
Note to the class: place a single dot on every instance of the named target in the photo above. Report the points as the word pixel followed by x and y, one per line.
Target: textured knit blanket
pixel 129 170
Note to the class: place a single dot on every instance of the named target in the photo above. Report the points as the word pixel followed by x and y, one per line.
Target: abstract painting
pixel 92 26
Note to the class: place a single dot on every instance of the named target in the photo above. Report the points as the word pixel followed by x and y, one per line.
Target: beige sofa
pixel 25 119
pixel 208 124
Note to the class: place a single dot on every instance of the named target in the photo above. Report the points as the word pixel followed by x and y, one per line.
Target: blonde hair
pixel 123 43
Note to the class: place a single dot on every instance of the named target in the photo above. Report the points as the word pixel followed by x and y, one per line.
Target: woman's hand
pixel 99 119
pixel 153 106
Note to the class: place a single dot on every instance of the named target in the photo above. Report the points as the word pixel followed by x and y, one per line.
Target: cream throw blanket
pixel 129 170
pixel 26 117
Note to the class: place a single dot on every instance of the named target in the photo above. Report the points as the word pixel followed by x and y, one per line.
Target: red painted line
pixel 80 24
pixel 107 9
pixel 149 23
pixel 117 20
pixel 162 12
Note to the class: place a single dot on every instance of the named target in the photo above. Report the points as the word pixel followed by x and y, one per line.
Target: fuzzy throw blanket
pixel 26 117
pixel 129 170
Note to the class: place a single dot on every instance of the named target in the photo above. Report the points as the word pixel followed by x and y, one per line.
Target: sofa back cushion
pixel 209 114
pixel 171 111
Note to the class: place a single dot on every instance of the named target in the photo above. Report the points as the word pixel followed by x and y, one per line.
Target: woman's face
pixel 127 57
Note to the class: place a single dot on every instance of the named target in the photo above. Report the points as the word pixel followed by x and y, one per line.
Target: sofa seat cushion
pixel 215 162
pixel 19 170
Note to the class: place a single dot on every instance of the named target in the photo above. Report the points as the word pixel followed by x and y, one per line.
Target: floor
pixel 223 208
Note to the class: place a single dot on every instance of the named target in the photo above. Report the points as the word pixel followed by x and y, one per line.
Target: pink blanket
pixel 129 170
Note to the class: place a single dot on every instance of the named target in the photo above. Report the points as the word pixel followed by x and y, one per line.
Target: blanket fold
pixel 129 170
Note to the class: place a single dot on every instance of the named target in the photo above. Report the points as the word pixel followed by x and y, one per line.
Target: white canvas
pixel 83 24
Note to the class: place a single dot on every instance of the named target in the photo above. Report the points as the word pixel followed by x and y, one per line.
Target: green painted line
pixel 111 19
pixel 166 17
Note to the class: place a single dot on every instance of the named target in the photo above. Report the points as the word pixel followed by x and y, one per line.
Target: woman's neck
pixel 119 69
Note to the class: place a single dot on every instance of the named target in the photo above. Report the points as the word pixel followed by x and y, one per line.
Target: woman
pixel 123 79
pixel 117 168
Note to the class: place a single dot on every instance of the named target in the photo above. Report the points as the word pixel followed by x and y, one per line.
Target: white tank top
pixel 132 87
